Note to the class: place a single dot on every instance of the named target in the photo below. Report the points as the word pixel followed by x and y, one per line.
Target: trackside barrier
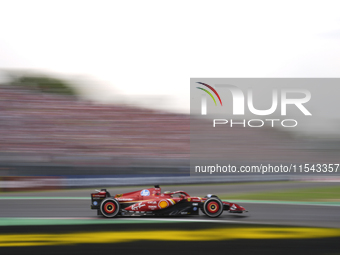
pixel 49 183
pixel 24 183
pixel 97 182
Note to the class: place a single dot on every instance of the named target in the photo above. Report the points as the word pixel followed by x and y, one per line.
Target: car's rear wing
pixel 97 198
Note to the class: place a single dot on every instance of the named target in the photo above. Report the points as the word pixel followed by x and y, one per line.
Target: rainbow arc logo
pixel 208 92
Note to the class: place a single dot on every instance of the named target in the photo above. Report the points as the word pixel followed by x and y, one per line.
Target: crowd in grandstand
pixel 56 127
pixel 45 124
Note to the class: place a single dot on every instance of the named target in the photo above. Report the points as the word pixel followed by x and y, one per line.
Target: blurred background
pixel 96 94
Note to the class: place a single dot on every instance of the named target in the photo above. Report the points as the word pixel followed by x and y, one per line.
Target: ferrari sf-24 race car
pixel 153 202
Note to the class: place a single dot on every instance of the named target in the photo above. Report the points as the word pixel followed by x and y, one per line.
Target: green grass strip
pixel 320 194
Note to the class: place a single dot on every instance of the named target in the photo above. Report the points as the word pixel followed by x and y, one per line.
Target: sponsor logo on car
pixel 145 192
pixel 152 202
pixel 233 207
pixel 163 204
pixel 124 199
pixel 137 206
pixel 196 200
pixel 97 195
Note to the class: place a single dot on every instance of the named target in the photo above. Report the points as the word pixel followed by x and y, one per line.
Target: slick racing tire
pixel 110 207
pixel 213 207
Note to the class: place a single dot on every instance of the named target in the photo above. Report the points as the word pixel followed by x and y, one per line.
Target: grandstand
pixel 42 127
pixel 57 129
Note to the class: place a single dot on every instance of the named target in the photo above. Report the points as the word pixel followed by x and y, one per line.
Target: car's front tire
pixel 213 207
pixel 110 207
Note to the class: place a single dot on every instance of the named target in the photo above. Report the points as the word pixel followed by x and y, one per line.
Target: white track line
pixel 142 219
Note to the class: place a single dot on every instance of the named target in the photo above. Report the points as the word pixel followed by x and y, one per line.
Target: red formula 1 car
pixel 153 202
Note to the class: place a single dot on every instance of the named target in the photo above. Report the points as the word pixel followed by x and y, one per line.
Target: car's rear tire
pixel 213 207
pixel 110 207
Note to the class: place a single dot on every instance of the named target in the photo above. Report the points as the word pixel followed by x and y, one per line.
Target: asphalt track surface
pixel 73 204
